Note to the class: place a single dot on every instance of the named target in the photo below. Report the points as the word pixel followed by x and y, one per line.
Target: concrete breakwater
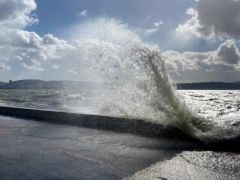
pixel 134 126
pixel 122 125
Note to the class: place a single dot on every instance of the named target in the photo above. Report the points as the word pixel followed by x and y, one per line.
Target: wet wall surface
pixel 40 150
pixel 117 124
pixel 55 145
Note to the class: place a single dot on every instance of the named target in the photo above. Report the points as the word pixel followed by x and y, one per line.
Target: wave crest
pixel 136 84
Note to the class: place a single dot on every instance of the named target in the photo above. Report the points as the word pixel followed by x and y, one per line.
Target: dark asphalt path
pixel 38 150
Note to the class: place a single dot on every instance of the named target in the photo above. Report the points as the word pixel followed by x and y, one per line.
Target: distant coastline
pixel 40 84
pixel 209 86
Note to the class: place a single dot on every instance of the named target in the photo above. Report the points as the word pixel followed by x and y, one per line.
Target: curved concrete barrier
pixel 133 126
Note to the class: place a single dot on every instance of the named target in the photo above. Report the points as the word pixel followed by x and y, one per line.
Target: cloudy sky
pixel 42 39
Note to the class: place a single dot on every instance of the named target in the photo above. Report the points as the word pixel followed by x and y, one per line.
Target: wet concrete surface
pixel 39 150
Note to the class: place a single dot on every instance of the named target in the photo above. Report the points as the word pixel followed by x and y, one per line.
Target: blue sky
pixel 48 39
pixel 136 13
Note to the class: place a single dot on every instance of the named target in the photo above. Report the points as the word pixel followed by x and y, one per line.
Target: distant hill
pixel 209 86
pixel 39 84
pixel 2 83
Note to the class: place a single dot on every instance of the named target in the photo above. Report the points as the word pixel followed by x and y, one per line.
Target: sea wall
pixel 134 126
pixel 123 125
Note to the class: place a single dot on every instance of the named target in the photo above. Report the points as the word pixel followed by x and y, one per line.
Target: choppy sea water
pixel 188 165
pixel 210 104
pixel 213 105
pixel 78 101
pixel 221 108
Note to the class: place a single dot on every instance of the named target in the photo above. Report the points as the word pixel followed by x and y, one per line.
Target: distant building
pixel 10 82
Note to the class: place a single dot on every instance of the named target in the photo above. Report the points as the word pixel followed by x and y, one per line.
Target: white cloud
pixel 55 66
pixel 225 58
pixel 158 23
pixel 152 30
pixel 35 65
pixel 15 42
pixel 4 67
pixel 149 31
pixel 191 26
pixel 195 65
pixel 83 13
pixel 71 71
pixel 211 18
pixel 15 13
pixel 28 54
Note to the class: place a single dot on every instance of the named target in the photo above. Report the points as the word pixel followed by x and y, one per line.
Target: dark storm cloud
pixel 228 52
pixel 213 18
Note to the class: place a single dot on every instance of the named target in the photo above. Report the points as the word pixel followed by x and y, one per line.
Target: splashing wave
pixel 136 82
